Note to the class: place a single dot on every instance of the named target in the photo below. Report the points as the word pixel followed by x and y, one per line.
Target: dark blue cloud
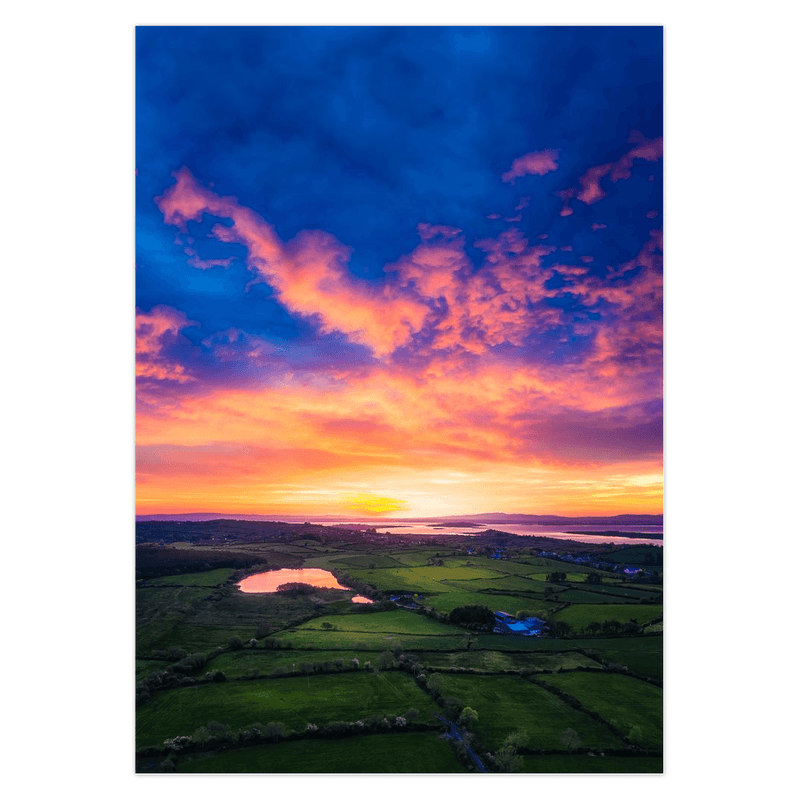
pixel 365 132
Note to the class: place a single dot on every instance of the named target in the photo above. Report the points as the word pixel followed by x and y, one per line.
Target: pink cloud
pixel 427 231
pixel 154 331
pixel 539 163
pixel 199 263
pixel 591 190
pixel 566 195
pixel 308 273
pixel 598 226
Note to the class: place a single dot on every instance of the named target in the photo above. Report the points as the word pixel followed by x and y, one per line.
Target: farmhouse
pixel 505 623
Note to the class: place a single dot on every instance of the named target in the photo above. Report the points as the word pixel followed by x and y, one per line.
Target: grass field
pixel 596 764
pixel 145 666
pixel 211 578
pixel 244 662
pixel 399 621
pixel 198 612
pixel 626 703
pixel 493 661
pixel 159 610
pixel 581 614
pixel 506 704
pixel 368 562
pixel 399 752
pixel 212 623
pixel 375 641
pixel 421 579
pixel 505 582
pixel 293 701
pixel 642 654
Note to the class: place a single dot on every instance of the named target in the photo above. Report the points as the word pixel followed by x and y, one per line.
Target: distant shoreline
pixel 624 534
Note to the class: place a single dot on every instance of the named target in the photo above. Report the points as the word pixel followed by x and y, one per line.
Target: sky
pixel 399 271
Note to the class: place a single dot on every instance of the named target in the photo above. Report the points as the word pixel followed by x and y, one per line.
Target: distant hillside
pixel 494 517
pixel 551 519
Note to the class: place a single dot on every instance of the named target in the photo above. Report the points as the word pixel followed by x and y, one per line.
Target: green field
pixel 145 666
pixel 368 562
pixel 246 662
pixel 641 654
pixel 214 577
pixel 421 579
pixel 399 621
pixel 199 611
pixel 360 640
pixel 581 614
pixel 493 661
pixel 213 622
pixel 626 703
pixel 398 752
pixel 597 764
pixel 506 704
pixel 159 610
pixel 293 701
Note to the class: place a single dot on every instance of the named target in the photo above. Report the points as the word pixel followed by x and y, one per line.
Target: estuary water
pixel 577 533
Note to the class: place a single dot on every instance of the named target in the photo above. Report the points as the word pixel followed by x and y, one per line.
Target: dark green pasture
pixel 592 764
pixel 214 621
pixel 361 640
pixel 631 705
pixel 293 701
pixel 581 614
pixel 211 578
pixel 380 753
pixel 493 661
pixel 265 662
pixel 159 610
pixel 506 704
pixel 399 621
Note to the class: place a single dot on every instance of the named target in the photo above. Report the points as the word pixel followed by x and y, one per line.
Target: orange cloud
pixel 154 330
pixel 308 273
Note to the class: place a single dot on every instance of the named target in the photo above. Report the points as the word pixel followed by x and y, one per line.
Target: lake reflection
pixel 268 582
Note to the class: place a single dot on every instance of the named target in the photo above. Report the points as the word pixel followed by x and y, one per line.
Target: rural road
pixel 454 732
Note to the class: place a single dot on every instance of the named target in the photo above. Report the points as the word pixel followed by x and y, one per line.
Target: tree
pixel 468 717
pixel 570 739
pixel 593 627
pixel 506 757
pixel 474 616
pixel 385 660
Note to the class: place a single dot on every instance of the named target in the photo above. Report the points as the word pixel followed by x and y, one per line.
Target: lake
pixel 268 582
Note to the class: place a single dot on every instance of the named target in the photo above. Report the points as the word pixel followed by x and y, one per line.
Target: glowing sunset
pixel 399 272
